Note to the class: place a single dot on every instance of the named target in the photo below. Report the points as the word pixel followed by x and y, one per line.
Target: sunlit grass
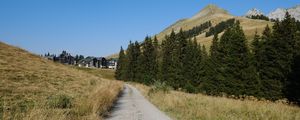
pixel 34 88
pixel 184 106
pixel 104 73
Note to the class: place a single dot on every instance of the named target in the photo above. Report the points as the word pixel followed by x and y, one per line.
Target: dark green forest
pixel 260 17
pixel 197 30
pixel 220 27
pixel 268 67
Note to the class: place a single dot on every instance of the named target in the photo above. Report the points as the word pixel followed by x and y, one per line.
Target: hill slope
pixel 215 15
pixel 35 88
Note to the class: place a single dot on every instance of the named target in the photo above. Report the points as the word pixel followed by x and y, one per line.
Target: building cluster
pixel 81 61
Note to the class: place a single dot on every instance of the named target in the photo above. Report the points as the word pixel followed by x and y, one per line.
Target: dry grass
pixel 184 106
pixel 29 86
pixel 103 73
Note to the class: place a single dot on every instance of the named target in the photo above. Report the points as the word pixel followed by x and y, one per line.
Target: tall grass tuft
pixel 159 86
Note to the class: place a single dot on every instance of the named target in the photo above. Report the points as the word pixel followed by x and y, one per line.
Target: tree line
pixel 260 17
pixel 197 30
pixel 64 58
pixel 220 27
pixel 269 67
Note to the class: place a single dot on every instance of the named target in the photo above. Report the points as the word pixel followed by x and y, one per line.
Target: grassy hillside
pixel 103 73
pixel 184 106
pixel 34 88
pixel 215 15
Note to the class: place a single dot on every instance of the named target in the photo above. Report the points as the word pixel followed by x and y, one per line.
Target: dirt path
pixel 133 106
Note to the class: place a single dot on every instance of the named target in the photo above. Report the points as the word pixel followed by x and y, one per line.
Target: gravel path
pixel 131 105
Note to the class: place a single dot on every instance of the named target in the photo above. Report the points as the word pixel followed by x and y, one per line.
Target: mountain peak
pixel 279 13
pixel 210 9
pixel 253 12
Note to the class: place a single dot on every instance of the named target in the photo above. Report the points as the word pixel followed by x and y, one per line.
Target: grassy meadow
pixel 185 106
pixel 103 73
pixel 33 88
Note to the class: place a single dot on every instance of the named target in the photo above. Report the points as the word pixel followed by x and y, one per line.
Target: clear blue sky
pixel 100 27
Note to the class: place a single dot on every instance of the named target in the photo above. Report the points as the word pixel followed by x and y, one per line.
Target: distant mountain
pixel 280 12
pixel 253 12
pixel 215 15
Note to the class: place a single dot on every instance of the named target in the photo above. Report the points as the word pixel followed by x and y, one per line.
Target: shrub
pixel 190 88
pixel 159 86
pixel 60 101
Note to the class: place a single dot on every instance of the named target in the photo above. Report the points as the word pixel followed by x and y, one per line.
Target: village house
pixel 112 63
pixel 93 62
pixel 80 61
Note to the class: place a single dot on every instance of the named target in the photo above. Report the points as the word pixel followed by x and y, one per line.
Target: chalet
pixel 101 62
pixel 80 61
pixel 112 63
pixel 87 62
pixel 93 62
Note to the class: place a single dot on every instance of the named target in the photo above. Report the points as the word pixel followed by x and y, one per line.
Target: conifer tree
pixel 129 71
pixel 136 63
pixel 169 59
pixel 156 55
pixel 121 66
pixel 235 65
pixel 211 75
pixel 277 59
pixel 148 61
pixel 191 68
pixel 214 46
pixel 178 57
pixel 293 84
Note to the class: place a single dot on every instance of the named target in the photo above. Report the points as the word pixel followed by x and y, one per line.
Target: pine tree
pixel 178 57
pixel 170 60
pixel 256 59
pixel 235 65
pixel 156 55
pixel 148 61
pixel 131 62
pixel 136 64
pixel 211 75
pixel 214 46
pixel 166 60
pixel 121 66
pixel 277 57
pixel 192 67
pixel 293 84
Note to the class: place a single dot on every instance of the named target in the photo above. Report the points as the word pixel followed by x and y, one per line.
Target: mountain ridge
pixel 216 15
pixel 279 13
pixel 254 12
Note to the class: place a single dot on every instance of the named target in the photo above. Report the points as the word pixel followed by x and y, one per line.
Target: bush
pixel 60 101
pixel 190 88
pixel 159 86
